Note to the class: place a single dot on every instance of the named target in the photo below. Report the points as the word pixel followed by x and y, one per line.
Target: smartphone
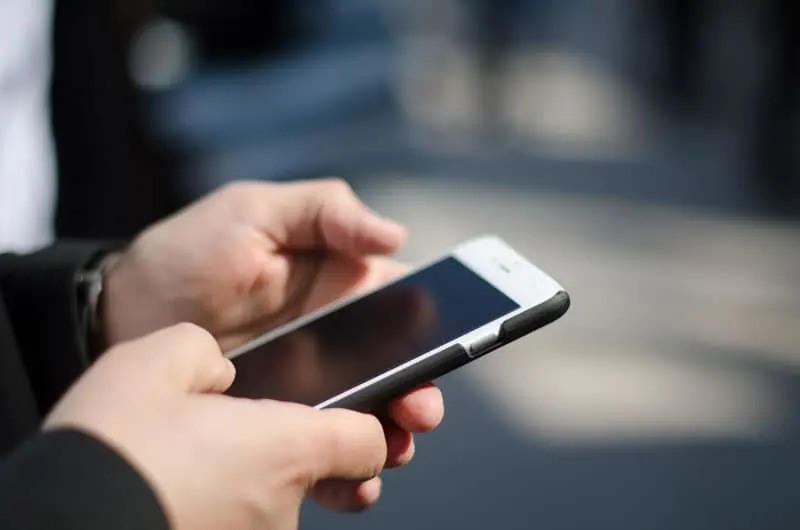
pixel 363 351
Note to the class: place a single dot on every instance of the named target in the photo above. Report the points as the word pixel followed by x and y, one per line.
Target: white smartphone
pixel 361 352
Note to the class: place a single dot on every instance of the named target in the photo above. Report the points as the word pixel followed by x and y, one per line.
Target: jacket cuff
pixel 66 480
pixel 40 291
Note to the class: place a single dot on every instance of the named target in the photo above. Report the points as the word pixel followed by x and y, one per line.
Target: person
pixel 141 436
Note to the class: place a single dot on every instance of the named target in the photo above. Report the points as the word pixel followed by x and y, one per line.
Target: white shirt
pixel 27 155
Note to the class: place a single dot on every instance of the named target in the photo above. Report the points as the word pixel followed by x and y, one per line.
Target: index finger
pixel 327 214
pixel 186 357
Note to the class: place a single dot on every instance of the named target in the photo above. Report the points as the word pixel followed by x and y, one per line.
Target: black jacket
pixel 114 177
pixel 66 479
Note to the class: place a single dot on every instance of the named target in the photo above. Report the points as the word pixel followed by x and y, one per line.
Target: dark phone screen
pixel 370 336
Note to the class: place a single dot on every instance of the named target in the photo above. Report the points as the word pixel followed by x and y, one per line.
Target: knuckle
pixel 337 188
pixel 190 330
pixel 302 446
pixel 236 188
pixel 198 336
pixel 238 195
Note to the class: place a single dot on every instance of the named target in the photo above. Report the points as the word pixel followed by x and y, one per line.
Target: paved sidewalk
pixel 668 397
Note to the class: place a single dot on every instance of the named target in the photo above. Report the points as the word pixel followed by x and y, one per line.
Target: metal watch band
pixel 90 290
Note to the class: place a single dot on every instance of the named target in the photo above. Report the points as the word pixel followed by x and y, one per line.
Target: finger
pixel 399 445
pixel 190 359
pixel 385 270
pixel 420 410
pixel 326 214
pixel 347 496
pixel 346 445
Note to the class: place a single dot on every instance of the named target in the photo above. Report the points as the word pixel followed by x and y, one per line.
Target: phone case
pixel 375 396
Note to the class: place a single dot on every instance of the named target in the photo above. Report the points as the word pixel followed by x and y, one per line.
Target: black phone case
pixel 375 396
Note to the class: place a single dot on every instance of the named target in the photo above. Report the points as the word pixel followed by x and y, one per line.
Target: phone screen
pixel 370 336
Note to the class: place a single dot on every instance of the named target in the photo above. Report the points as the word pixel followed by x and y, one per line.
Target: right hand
pixel 216 461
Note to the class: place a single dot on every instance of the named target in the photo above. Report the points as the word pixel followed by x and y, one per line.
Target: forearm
pixel 67 480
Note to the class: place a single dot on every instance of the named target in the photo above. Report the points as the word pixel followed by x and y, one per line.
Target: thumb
pixel 189 359
pixel 327 215
pixel 348 445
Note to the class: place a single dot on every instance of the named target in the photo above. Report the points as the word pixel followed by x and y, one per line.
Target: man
pixel 143 439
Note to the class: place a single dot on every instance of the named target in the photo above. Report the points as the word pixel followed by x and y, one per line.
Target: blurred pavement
pixel 668 397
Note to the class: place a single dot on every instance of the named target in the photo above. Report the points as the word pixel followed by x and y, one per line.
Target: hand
pixel 252 256
pixel 215 461
pixel 248 258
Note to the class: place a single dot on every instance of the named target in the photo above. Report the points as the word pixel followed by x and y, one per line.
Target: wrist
pixel 108 307
pixel 94 301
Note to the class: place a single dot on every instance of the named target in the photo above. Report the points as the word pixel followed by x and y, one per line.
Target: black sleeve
pixel 40 293
pixel 67 480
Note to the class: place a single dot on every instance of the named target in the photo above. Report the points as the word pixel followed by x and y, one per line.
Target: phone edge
pixel 432 367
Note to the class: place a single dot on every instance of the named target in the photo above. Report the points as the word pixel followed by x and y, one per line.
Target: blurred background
pixel 645 152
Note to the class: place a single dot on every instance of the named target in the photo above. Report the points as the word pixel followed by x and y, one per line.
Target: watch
pixel 90 287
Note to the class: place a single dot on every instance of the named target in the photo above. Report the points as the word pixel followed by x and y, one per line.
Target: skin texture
pixel 212 460
pixel 252 256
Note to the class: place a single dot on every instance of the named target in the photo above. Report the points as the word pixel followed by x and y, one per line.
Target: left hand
pixel 254 255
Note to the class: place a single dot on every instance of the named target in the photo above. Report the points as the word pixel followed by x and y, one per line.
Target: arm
pixel 65 480
pixel 61 479
pixel 41 295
